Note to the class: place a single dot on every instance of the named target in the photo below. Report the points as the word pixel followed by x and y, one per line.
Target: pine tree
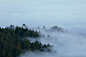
pixel 9 55
pixel 3 54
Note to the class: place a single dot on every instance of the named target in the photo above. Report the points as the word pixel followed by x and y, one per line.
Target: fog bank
pixel 65 44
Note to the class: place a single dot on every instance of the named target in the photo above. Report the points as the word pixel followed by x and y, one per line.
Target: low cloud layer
pixel 65 44
pixel 44 12
pixel 70 15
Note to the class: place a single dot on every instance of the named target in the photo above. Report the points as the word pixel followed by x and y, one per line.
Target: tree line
pixel 24 32
pixel 11 43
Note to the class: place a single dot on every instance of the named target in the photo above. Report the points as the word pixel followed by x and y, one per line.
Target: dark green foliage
pixel 48 45
pixel 11 45
pixel 24 32
pixel 41 50
pixel 54 27
pixel 23 25
pixel 45 46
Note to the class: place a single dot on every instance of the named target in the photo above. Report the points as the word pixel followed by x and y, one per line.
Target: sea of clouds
pixel 65 44
pixel 68 14
pixel 63 13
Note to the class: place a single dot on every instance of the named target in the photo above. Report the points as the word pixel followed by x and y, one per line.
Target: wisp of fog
pixel 64 44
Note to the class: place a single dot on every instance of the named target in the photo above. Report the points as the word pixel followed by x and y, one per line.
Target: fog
pixel 68 14
pixel 64 13
pixel 65 44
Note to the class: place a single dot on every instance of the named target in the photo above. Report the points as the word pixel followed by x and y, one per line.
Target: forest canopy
pixel 11 43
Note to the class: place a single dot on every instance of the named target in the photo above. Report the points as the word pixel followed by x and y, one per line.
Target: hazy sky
pixel 63 13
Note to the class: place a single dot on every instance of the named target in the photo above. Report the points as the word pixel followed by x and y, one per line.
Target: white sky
pixel 64 13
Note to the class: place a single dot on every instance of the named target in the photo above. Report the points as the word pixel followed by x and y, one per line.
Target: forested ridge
pixel 11 43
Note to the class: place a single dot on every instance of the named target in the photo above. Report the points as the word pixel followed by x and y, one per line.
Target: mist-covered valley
pixel 68 37
pixel 65 44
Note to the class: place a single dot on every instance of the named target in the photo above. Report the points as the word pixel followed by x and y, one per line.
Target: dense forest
pixel 11 43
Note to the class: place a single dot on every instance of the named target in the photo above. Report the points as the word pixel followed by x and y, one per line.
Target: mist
pixel 64 44
pixel 68 14
pixel 63 13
